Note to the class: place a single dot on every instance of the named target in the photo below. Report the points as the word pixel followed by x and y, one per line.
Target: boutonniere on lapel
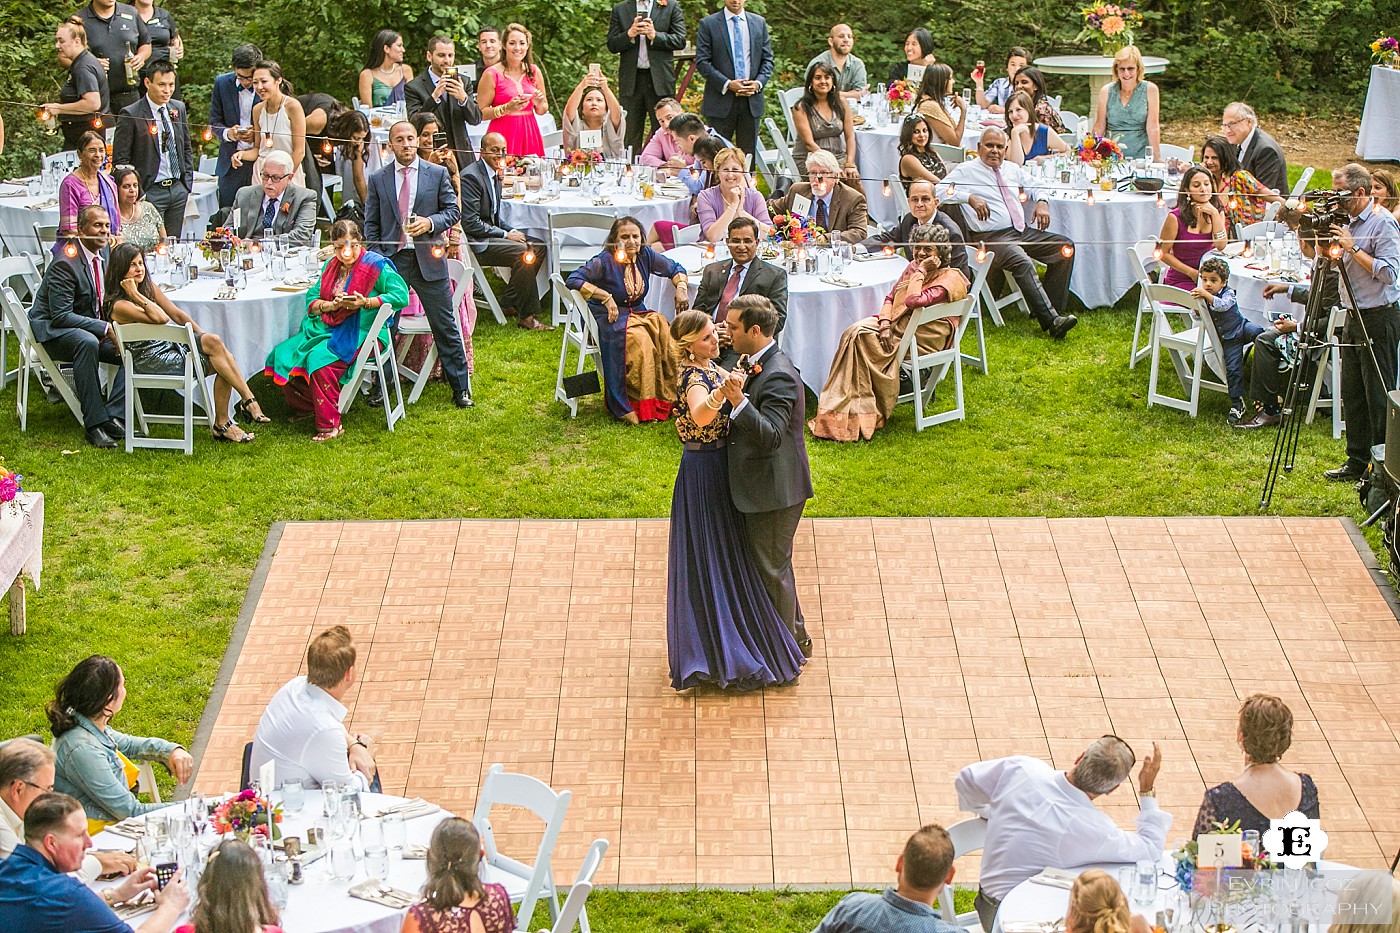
pixel 748 367
pixel 660 2
pixel 286 207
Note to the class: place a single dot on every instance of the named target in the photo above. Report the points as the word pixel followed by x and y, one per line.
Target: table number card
pixel 1220 850
pixel 237 219
pixel 801 206
pixel 267 778
pixel 915 75
pixel 590 139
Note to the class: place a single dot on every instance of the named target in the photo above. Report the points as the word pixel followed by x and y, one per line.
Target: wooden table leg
pixel 17 606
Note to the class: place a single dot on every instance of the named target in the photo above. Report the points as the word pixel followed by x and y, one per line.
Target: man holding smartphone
pixel 440 89
pixel 231 121
pixel 645 34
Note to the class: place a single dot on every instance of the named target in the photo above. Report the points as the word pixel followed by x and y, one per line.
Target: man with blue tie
pixel 154 137
pixel 231 121
pixel 408 209
pixel 733 54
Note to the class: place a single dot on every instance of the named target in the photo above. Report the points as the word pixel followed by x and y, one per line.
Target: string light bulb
pixel 438 251
pixel 162 249
pixel 529 257
pixel 1248 251
pixel 1157 252
pixel 1161 201
pixel 71 249
pixel 1090 198
pixel 154 130
pixel 1021 194
pixel 981 252
pixel 1067 250
pixel 1234 203
pixel 97 123
pixel 709 251
pixel 1335 251
pixel 45 116
pixel 888 251
pixel 326 147
pixel 255 247
pixel 952 186
pixel 208 134
pixel 885 188
pixel 620 254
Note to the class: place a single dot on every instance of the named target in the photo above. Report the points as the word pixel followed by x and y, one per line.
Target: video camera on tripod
pixel 1320 210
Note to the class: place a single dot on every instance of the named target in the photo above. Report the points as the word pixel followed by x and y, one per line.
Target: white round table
pixel 323 905
pixel 531 213
pixel 1098 69
pixel 19 212
pixel 818 312
pixel 877 157
pixel 1379 136
pixel 250 324
pixel 1248 278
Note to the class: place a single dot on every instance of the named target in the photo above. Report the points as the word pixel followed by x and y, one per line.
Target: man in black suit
pixel 645 34
pixel 494 243
pixel 743 273
pixel 409 207
pixel 66 318
pixel 153 135
pixel 1260 154
pixel 441 90
pixel 923 209
pixel 768 474
pixel 733 54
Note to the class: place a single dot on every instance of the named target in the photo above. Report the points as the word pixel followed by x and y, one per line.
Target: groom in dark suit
pixel 768 473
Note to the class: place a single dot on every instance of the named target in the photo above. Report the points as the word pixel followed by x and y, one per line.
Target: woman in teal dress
pixel 311 366
pixel 384 77
pixel 1128 108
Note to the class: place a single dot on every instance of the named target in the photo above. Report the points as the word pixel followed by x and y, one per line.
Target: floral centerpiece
pixel 1386 51
pixel 9 487
pixel 900 95
pixel 1102 152
pixel 246 815
pixel 217 240
pixel 793 230
pixel 1111 25
pixel 1205 881
pixel 582 161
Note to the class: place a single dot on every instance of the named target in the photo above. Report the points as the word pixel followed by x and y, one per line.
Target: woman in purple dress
pixel 1194 227
pixel 86 184
pixel 721 627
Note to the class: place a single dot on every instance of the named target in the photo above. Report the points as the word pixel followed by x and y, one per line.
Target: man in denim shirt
pixel 924 867
pixel 1370 248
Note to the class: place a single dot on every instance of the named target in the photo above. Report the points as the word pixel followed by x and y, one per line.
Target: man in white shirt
pixel 26 774
pixel 990 190
pixel 1040 818
pixel 303 729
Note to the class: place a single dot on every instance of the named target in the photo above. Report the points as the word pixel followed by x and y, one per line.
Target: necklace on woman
pixel 392 69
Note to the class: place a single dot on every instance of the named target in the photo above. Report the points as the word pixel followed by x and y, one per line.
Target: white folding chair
pixel 990 301
pixel 376 357
pixel 574 238
pixel 47 235
pixel 898 197
pixel 1271 209
pixel 967 836
pixel 1074 123
pixel 580 333
pixel 1056 101
pixel 553 140
pixel 189 383
pixel 688 234
pixel 1144 263
pixel 1069 139
pixel 1329 373
pixel 483 287
pixel 1184 153
pixel 1301 184
pixel 417 325
pixel 67 161
pixel 980 270
pixel 780 145
pixel 33 359
pixel 329 185
pixel 927 370
pixel 526 884
pixel 1194 349
pixel 787 100
pixel 1259 230
pixel 208 165
pixel 951 155
pixel 146 777
pixel 574 913
pixel 15 270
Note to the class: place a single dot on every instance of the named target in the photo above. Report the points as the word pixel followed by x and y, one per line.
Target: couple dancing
pixel 732 617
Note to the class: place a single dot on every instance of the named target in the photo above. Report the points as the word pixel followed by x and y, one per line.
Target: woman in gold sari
pixel 863 385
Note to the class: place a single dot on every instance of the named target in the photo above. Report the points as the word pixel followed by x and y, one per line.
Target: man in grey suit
pixel 276 206
pixel 733 54
pixel 66 318
pixel 408 208
pixel 769 478
pixel 645 34
pixel 743 273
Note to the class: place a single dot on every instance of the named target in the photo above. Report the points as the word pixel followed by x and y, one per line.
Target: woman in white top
pixel 279 122
pixel 593 106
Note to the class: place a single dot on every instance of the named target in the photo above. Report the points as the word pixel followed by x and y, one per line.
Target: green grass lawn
pixel 148 556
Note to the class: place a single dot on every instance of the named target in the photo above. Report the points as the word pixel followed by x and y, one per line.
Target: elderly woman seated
pixel 732 196
pixel 863 386
pixel 1265 790
pixel 593 106
pixel 639 360
pixel 94 762
pixel 311 365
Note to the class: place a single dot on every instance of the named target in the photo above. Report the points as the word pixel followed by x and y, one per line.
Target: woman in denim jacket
pixel 95 762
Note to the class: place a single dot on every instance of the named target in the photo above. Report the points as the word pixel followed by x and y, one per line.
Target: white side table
pixel 21 551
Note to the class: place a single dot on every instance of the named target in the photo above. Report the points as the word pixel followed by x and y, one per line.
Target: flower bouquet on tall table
pixel 216 242
pixel 1102 152
pixel 1386 51
pixel 1110 25
pixel 9 488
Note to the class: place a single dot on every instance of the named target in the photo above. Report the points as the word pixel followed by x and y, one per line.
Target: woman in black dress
pixel 917 159
pixel 321 111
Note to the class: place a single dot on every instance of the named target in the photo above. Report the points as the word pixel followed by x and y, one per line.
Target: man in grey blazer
pixel 409 206
pixel 276 206
pixel 743 273
pixel 769 478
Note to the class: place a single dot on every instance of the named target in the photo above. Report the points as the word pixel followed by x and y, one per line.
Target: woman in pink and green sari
pixel 340 310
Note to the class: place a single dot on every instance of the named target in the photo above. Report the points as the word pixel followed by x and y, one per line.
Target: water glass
pixel 278 888
pixel 371 834
pixel 377 862
pixel 293 794
pixel 393 829
pixel 1251 836
pixel 342 861
pixel 1145 883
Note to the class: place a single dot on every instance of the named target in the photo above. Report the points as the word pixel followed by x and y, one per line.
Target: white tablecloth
pixel 17 218
pixel 546 121
pixel 251 324
pixel 877 157
pixel 818 313
pixel 533 218
pixel 1249 293
pixel 1379 138
pixel 22 539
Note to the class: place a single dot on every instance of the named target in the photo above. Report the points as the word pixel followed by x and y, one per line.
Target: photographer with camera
pixel 1365 242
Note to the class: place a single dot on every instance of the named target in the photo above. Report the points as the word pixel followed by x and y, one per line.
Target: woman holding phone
pixel 593 107
pixel 512 95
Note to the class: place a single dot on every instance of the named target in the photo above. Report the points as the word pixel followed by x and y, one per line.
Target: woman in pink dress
pixel 511 95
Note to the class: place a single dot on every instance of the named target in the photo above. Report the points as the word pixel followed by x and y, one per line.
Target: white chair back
pixel 188 382
pixel 376 356
pixel 521 790
pixel 967 836
pixel 1183 153
pixel 927 370
pixel 898 197
pixel 688 234
pixel 1261 229
pixel 1141 255
pixel 1074 123
pixel 554 140
pixel 574 238
pixel 416 326
pixel 208 165
pixel 1192 349
pixel 584 881
pixel 33 358
pixel 780 143
pixel 1301 184
pixel 984 293
pixel 1271 209
pixel 951 155
pixel 15 271
pixel 789 99
pixel 980 270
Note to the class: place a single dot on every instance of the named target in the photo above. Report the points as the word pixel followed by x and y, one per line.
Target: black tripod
pixel 1313 343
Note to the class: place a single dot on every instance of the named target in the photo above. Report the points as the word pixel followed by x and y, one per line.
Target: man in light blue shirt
pixel 925 866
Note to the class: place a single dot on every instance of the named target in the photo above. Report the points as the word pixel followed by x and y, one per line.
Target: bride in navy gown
pixel 721 627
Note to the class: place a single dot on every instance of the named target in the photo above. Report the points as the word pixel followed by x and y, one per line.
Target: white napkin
pixel 1056 878
pixel 838 281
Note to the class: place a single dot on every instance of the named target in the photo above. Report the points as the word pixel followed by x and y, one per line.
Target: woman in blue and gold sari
pixel 639 365
pixel 311 365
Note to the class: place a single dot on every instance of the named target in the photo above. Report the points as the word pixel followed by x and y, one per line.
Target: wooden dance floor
pixel 938 642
